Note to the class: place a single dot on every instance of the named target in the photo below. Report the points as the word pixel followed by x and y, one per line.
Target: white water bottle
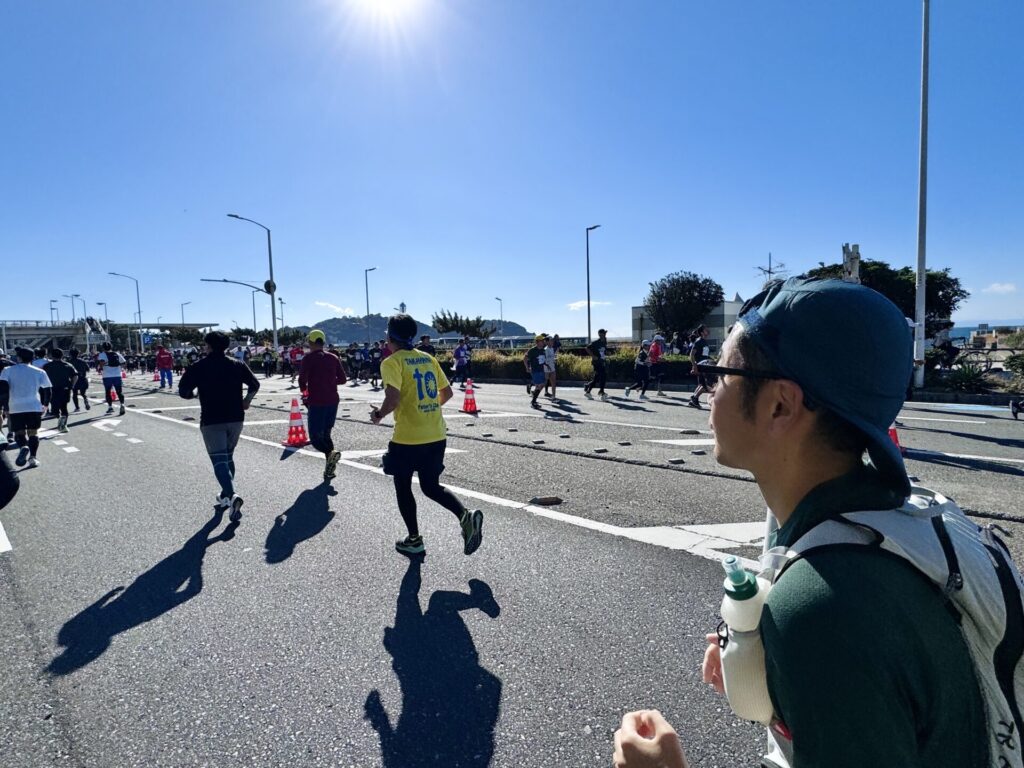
pixel 743 672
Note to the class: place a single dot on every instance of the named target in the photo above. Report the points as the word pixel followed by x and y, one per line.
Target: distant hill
pixel 342 330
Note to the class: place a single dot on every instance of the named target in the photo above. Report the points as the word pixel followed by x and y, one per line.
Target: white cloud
pixel 1000 288
pixel 335 308
pixel 576 306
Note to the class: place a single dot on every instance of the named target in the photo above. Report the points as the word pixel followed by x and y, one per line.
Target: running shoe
pixel 1014 408
pixel 77 409
pixel 411 545
pixel 626 391
pixel 33 462
pixel 22 457
pixel 472 530
pixel 87 406
pixel 121 412
pixel 223 502
pixel 236 509
pixel 694 403
pixel 110 410
pixel 586 394
pixel 660 393
pixel 332 465
pixel 62 425
pixel 535 404
pixel 604 396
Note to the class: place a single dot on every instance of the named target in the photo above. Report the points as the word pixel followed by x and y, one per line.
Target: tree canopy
pixel 679 301
pixel 943 292
pixel 449 322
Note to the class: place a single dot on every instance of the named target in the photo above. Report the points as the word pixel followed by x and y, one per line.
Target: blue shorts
pixel 538 377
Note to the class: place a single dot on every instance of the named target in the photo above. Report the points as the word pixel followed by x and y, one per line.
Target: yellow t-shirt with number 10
pixel 419 378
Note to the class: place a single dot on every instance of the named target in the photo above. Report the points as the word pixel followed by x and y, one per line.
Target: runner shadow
pixel 978 465
pixel 174 580
pixel 450 703
pixel 303 520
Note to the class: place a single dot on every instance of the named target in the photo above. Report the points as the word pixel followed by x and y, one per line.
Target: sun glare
pixel 386 11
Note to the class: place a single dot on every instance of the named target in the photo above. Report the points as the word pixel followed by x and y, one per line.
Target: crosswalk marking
pixel 696 441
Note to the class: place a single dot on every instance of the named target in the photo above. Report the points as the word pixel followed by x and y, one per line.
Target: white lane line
pixel 271 421
pixel 70 449
pixel 911 452
pixel 694 539
pixel 106 425
pixel 5 543
pixel 60 442
pixel 700 441
pixel 119 434
pixel 134 440
pixel 170 408
pixel 901 417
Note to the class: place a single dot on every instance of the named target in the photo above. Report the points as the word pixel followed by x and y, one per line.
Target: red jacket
pixel 164 360
pixel 321 374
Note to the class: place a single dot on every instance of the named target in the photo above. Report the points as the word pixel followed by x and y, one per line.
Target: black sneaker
pixel 22 457
pixel 1014 408
pixel 411 545
pixel 472 530
pixel 331 471
pixel 236 509
pixel 535 404
pixel 694 403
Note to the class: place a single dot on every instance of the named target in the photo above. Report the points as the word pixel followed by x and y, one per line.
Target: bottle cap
pixel 740 584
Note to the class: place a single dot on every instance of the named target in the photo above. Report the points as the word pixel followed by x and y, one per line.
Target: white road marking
pixel 106 425
pixel 60 442
pixel 134 440
pixel 699 540
pixel 700 441
pixel 119 434
pixel 5 543
pixel 70 449
pixel 901 417
pixel 248 423
pixel 170 408
pixel 911 452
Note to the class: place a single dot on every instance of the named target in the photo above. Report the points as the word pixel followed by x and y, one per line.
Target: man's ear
pixel 787 404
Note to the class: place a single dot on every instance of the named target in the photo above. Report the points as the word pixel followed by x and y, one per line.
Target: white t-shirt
pixel 549 359
pixel 25 382
pixel 110 371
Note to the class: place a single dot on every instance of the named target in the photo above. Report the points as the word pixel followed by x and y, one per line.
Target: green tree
pixel 679 301
pixel 188 336
pixel 452 322
pixel 943 292
pixel 240 334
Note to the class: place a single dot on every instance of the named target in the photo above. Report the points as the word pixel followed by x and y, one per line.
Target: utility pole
pixel 922 205
pixel 771 270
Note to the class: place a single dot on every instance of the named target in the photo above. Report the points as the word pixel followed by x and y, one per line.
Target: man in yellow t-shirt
pixel 415 388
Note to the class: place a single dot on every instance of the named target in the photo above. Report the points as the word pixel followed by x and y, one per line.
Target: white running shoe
pixel 223 502
pixel 33 462
pixel 642 397
pixel 604 397
pixel 626 391
pixel 236 509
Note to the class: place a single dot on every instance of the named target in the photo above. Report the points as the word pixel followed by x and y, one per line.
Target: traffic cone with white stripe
pixel 894 436
pixel 296 428
pixel 469 404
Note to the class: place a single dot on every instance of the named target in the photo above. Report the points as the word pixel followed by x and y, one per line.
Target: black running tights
pixel 432 489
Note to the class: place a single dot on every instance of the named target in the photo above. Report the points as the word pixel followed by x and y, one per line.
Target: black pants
pixel 427 461
pixel 600 377
pixel 643 378
pixel 118 387
pixel 59 401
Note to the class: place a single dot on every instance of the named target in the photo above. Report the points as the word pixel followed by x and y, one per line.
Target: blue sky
pixel 463 146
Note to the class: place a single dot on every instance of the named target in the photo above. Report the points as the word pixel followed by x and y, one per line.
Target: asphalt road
pixel 140 628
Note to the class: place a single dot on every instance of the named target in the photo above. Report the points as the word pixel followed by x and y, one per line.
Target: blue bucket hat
pixel 849 349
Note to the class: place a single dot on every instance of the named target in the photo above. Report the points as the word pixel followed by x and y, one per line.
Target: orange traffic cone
pixel 156 376
pixel 896 440
pixel 124 374
pixel 296 429
pixel 113 395
pixel 469 404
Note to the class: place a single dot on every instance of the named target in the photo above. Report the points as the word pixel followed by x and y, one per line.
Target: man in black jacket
pixel 219 380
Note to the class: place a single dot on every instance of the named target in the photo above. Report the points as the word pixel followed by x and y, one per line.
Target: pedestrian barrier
pixel 469 404
pixel 296 428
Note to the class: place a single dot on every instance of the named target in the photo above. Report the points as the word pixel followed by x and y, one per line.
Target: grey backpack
pixel 973 569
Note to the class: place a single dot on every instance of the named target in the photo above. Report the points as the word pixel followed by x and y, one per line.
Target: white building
pixel 718 320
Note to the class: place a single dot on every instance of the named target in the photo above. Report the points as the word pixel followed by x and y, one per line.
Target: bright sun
pixel 386 10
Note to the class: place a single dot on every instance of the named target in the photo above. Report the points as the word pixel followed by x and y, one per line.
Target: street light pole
pixel 922 206
pixel 281 302
pixel 501 313
pixel 366 278
pixel 183 305
pixel 270 286
pixel 138 305
pixel 72 297
pixel 254 292
pixel 85 318
pixel 53 303
pixel 588 280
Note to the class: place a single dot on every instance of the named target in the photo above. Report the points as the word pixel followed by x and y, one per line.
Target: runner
pixel 298 354
pixel 62 376
pixel 461 355
pixel 700 354
pixel 598 348
pixel 533 361
pixel 415 388
pixel 657 367
pixel 111 373
pixel 641 370
pixel 1016 406
pixel 376 357
pixel 219 380
pixel 268 363
pixel 426 346
pixel 319 379
pixel 550 368
pixel 82 383
pixel 165 366
pixel 27 390
pixel 5 362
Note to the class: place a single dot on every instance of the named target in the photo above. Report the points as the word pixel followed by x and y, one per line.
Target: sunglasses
pixel 717 370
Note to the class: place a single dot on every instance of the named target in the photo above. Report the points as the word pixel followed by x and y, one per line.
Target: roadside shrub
pixel 968 378
pixel 1015 364
pixel 573 365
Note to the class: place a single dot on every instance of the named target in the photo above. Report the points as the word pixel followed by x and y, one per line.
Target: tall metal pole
pixel 588 280
pixel 281 302
pixel 183 304
pixel 54 308
pixel 85 318
pixel 51 310
pixel 254 292
pixel 366 278
pixel 922 206
pixel 138 307
pixel 270 285
pixel 71 297
pixel 501 312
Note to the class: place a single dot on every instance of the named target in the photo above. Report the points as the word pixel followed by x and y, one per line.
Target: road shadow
pixel 978 465
pixel 565 406
pixel 625 405
pixel 450 704
pixel 303 520
pixel 1002 441
pixel 174 580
